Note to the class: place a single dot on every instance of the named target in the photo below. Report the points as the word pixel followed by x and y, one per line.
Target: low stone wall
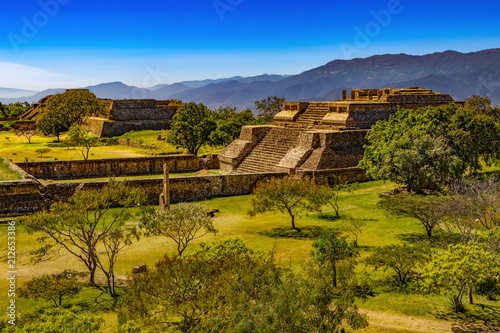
pixel 60 170
pixel 23 197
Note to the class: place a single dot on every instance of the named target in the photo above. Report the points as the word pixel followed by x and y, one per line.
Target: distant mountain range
pixel 458 74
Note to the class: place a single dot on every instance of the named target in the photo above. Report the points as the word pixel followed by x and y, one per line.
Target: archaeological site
pixel 323 140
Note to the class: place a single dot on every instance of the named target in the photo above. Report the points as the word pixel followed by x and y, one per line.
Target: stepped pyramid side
pixel 320 135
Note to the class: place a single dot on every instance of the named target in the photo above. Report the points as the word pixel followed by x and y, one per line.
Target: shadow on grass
pixel 438 239
pixel 477 318
pixel 308 232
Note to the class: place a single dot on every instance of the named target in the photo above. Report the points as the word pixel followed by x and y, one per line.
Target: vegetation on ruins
pixel 191 127
pixel 14 109
pixel 268 108
pixel 229 124
pixel 424 148
pixel 181 223
pixel 288 195
pixel 67 109
pixel 82 138
pixel 53 287
pixel 82 227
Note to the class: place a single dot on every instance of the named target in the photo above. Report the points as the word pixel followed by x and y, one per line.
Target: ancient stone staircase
pixel 313 114
pixel 269 151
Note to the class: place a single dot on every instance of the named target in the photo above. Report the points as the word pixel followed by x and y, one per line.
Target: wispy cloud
pixel 20 76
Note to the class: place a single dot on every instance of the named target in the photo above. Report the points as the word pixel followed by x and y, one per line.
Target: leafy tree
pixel 191 127
pixel 226 287
pixel 15 109
pixel 461 267
pixel 42 151
pixel 53 287
pixel 84 222
pixel 333 197
pixel 182 223
pixel 429 210
pixel 334 253
pixel 354 227
pixel 290 195
pixel 269 107
pixel 82 137
pixel 402 259
pixel 61 320
pixel 423 148
pixel 229 124
pixel 27 133
pixel 67 109
pixel 191 286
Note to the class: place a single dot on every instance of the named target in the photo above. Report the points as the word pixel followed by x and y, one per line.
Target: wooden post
pixel 165 195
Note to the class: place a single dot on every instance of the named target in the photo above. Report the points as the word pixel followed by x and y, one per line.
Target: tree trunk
pixel 471 301
pixel 293 222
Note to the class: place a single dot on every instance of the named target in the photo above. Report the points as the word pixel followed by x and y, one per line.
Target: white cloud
pixel 20 76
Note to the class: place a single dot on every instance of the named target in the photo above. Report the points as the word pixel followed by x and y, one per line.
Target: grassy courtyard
pixel 389 309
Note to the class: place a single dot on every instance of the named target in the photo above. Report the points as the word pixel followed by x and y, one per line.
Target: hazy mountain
pixel 14 93
pixel 458 74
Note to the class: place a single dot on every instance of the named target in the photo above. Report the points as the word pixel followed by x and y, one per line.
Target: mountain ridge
pixel 457 74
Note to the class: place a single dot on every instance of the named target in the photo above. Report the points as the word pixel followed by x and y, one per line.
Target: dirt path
pixel 404 323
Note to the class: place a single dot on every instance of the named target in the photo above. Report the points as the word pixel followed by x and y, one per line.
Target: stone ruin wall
pixel 60 170
pixel 28 196
pixel 124 116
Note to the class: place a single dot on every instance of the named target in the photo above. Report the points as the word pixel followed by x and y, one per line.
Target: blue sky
pixel 72 43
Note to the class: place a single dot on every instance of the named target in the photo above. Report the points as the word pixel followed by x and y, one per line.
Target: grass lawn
pixel 150 138
pixel 6 173
pixel 18 149
pixel 388 310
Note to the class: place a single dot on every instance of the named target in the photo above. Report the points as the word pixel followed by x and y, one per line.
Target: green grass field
pixel 389 310
pixel 6 173
pixel 150 138
pixel 18 149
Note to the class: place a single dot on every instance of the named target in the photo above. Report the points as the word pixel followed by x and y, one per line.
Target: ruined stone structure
pixel 122 116
pixel 133 115
pixel 311 136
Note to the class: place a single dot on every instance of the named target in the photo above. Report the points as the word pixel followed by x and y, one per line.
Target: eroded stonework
pixel 320 135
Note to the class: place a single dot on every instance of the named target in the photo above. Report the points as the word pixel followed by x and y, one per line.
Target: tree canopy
pixel 66 109
pixel 181 223
pixel 191 127
pixel 84 222
pixel 269 107
pixel 288 195
pixel 229 124
pixel 424 148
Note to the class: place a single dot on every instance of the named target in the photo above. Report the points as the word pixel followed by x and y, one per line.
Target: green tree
pixel 84 222
pixel 15 109
pixel 191 127
pixel 67 109
pixel 423 148
pixel 334 253
pixel 229 124
pixel 181 223
pixel 82 137
pixel 404 260
pixel 461 267
pixel 429 210
pixel 42 151
pixel 269 107
pixel 287 195
pixel 53 287
pixel 61 320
